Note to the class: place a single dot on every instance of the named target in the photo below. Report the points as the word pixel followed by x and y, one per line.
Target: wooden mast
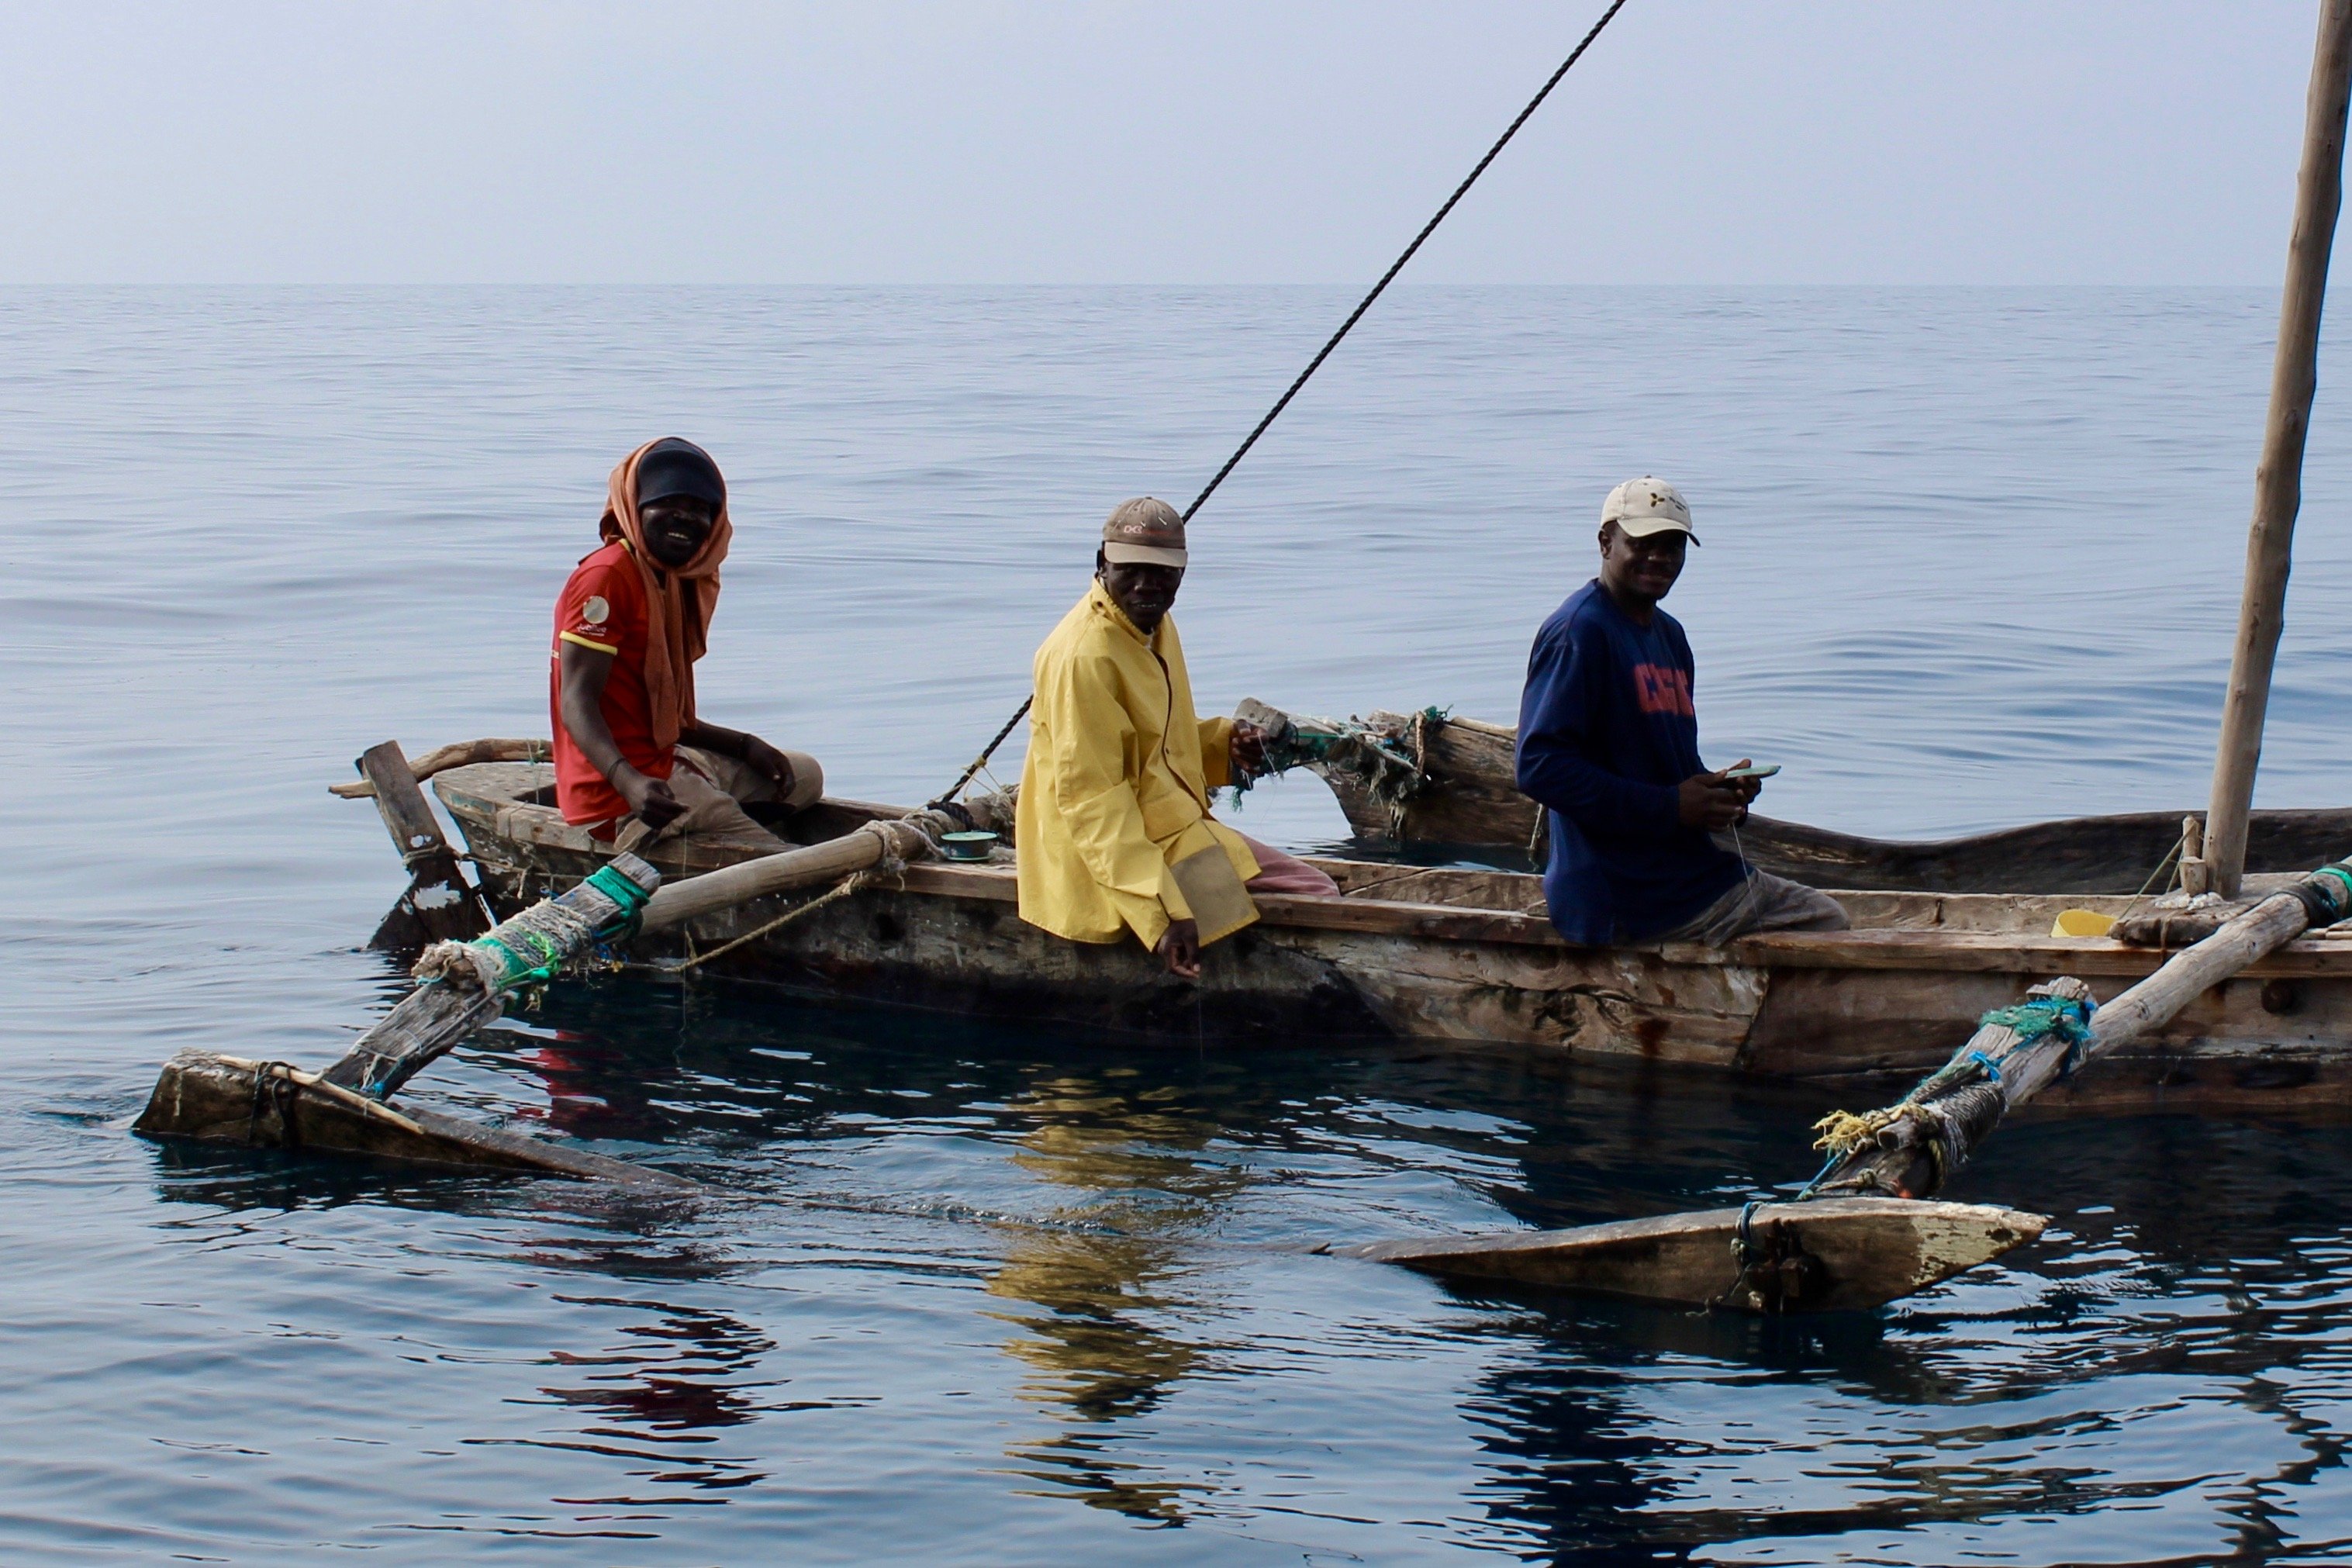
pixel 2278 481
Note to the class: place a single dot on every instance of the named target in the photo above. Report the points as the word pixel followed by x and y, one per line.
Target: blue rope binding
pixel 2034 1017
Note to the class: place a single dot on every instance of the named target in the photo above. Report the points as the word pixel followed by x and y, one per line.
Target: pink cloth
pixel 1280 873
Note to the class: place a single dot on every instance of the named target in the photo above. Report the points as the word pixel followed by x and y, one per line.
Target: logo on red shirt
pixel 1662 689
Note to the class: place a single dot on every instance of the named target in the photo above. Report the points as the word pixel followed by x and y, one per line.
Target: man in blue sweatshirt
pixel 1609 747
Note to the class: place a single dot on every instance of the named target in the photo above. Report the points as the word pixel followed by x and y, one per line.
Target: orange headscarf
pixel 678 601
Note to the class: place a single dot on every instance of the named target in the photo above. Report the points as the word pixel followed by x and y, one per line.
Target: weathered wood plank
pixel 1371 916
pixel 1963 952
pixel 1843 1255
pixel 217 1098
pixel 433 1018
pixel 440 905
pixel 463 754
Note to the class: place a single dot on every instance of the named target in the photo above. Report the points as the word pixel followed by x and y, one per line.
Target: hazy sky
pixel 1276 141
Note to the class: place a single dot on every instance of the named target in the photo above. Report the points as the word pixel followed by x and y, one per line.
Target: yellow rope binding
pixel 1842 1132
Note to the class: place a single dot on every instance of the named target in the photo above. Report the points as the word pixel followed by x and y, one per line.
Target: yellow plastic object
pixel 2082 923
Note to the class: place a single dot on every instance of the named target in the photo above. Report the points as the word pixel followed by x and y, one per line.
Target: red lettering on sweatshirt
pixel 1662 689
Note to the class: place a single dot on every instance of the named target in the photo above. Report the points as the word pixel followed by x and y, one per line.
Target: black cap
pixel 675 468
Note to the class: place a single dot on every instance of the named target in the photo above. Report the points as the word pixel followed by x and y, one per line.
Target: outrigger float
pixel 2252 1013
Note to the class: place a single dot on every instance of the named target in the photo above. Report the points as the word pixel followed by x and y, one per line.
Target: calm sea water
pixel 986 1296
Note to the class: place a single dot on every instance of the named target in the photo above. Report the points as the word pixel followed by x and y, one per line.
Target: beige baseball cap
pixel 1645 506
pixel 1144 532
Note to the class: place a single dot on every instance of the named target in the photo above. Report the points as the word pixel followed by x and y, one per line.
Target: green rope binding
pixel 2032 1018
pixel 2038 1016
pixel 519 969
pixel 2341 895
pixel 1388 767
pixel 632 899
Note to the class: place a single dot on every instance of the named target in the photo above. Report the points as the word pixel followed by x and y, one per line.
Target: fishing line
pixel 1325 352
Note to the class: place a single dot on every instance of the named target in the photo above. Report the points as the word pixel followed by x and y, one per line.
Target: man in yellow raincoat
pixel 1114 831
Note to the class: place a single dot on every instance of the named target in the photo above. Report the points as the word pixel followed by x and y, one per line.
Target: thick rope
pixel 1333 342
pixel 459 965
pixel 275 1088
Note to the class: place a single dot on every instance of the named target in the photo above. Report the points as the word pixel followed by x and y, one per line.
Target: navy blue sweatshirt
pixel 1607 731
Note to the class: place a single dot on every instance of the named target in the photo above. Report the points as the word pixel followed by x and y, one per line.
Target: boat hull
pixel 1468 956
pixel 1471 801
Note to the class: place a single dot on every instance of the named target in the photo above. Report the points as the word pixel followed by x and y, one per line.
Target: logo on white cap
pixel 1647 506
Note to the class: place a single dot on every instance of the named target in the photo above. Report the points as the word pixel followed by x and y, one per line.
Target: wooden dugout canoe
pixel 1471 800
pixel 1449 953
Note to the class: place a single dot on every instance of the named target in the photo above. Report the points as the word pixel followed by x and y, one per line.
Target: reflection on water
pixel 661 1395
pixel 1106 1274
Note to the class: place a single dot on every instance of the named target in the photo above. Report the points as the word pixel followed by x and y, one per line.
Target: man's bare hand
pixel 771 764
pixel 649 798
pixel 1180 944
pixel 1710 801
pixel 1247 749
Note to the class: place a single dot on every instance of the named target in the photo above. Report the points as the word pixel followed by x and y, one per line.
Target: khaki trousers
pixel 714 790
pixel 1762 902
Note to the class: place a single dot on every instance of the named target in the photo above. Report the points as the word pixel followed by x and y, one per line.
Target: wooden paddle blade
pixel 227 1099
pixel 1831 1254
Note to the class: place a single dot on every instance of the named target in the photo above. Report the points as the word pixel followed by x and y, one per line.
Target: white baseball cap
pixel 1645 506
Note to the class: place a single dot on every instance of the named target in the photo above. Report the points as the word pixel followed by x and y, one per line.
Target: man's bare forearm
pixel 717 738
pixel 589 733
pixel 584 672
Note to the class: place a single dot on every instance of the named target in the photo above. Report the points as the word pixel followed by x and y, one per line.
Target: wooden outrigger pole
pixel 345 1108
pixel 2278 479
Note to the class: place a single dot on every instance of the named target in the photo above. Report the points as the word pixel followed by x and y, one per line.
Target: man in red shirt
pixel 632 760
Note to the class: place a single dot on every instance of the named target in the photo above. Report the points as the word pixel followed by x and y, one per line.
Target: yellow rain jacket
pixel 1117 786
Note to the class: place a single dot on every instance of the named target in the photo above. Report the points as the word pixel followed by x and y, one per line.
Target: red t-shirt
pixel 602 607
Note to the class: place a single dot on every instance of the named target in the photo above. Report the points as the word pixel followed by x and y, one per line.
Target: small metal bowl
pixel 971 846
